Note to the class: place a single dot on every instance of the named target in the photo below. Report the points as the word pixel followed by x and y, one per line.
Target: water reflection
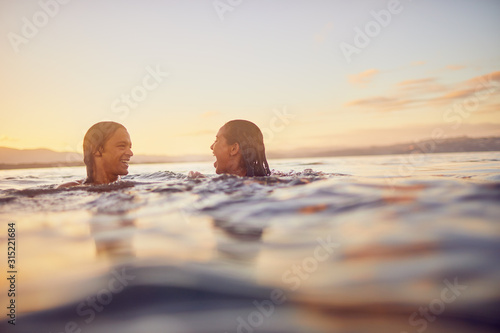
pixel 202 256
pixel 237 243
pixel 113 236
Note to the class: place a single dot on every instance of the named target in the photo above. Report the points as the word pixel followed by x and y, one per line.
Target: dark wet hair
pixel 94 140
pixel 251 142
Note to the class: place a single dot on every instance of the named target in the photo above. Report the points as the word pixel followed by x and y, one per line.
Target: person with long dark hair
pixel 239 150
pixel 106 153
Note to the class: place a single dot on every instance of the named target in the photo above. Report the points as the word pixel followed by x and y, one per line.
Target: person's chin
pixel 218 170
pixel 123 172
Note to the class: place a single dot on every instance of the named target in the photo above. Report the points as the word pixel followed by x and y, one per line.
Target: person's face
pixel 116 153
pixel 222 153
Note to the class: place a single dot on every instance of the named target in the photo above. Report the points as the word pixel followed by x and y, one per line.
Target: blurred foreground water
pixel 357 244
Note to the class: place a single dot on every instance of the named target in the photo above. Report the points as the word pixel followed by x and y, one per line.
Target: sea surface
pixel 400 243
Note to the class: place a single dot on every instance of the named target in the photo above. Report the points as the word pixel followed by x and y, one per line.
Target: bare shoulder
pixel 71 184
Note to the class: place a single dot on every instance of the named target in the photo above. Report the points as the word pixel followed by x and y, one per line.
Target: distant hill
pixel 24 156
pixel 38 158
pixel 11 158
pixel 450 145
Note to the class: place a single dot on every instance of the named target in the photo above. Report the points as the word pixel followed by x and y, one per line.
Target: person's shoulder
pixel 71 184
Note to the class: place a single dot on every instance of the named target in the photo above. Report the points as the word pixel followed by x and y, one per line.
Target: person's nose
pixel 212 146
pixel 130 152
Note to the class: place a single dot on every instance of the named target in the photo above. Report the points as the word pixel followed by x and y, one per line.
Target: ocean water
pixel 400 243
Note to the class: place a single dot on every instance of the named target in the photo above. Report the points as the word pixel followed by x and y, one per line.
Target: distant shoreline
pixel 37 165
pixel 448 145
pixel 63 165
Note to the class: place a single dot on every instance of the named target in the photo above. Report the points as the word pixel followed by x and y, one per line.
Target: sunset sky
pixel 310 73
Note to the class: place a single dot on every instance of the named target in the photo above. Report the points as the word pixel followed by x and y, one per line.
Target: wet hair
pixel 251 142
pixel 94 140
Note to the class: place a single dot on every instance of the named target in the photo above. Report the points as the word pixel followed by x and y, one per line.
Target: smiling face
pixel 115 155
pixel 222 152
pixel 228 156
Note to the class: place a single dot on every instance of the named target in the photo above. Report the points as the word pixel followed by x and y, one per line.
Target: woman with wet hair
pixel 106 153
pixel 239 150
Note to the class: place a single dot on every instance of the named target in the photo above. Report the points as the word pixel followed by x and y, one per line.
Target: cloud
pixel 410 92
pixel 455 67
pixel 373 100
pixel 381 103
pixel 363 78
pixel 418 63
pixel 483 85
pixel 417 82
pixel 458 94
pixel 492 79
pixel 487 109
pixel 421 86
pixel 320 37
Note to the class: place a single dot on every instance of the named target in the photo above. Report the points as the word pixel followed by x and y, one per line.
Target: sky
pixel 312 74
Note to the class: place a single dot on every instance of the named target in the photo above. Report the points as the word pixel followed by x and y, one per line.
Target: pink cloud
pixel 380 103
pixel 492 78
pixel 363 78
pixel 455 67
pixel 417 82
pixel 418 63
pixel 410 92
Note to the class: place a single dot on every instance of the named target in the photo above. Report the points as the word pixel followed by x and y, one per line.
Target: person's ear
pixel 98 153
pixel 235 149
